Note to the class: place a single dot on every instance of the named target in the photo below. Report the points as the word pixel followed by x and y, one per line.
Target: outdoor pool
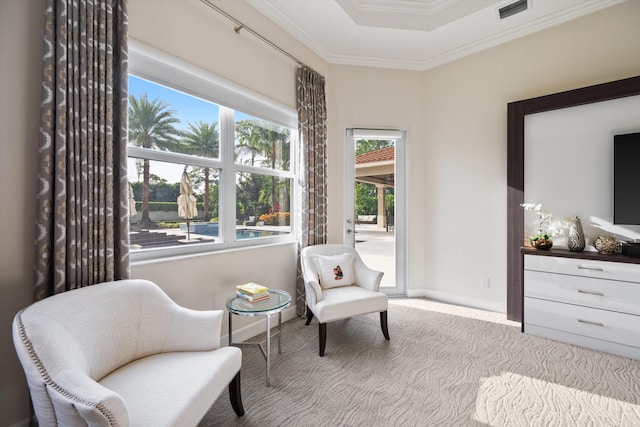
pixel 211 229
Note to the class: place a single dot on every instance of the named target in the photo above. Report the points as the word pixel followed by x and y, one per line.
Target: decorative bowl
pixel 542 244
pixel 607 245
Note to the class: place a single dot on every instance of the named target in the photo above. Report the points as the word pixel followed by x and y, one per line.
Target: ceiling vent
pixel 513 8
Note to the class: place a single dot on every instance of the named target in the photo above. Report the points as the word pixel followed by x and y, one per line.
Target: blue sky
pixel 189 109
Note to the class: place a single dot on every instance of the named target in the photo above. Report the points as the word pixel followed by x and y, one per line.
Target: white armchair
pixel 338 285
pixel 123 354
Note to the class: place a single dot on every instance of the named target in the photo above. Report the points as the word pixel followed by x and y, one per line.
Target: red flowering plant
pixel 275 218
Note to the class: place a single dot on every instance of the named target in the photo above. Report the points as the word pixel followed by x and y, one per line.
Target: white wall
pixel 465 122
pixel 456 115
pixel 204 282
pixel 21 30
pixel 374 98
pixel 569 165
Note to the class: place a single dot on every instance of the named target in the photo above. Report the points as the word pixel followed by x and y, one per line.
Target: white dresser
pixel 584 301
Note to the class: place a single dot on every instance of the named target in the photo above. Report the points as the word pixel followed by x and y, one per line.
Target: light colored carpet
pixel 444 366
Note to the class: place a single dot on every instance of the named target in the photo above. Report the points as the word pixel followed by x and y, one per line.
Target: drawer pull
pixel 582 291
pixel 589 268
pixel 588 322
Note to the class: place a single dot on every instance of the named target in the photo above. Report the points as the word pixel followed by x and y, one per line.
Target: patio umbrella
pixel 132 202
pixel 186 200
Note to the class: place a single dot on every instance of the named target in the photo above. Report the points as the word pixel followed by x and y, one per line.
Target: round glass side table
pixel 277 302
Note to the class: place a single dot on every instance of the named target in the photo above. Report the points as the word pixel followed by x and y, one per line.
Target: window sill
pixel 226 250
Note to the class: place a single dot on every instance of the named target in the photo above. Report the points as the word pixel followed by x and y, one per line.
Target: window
pixel 203 175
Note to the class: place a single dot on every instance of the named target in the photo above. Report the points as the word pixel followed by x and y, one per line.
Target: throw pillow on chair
pixel 335 271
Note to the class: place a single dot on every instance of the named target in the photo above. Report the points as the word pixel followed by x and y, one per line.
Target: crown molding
pixel 272 12
pixel 515 33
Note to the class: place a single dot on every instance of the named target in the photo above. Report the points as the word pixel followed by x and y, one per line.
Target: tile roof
pixel 384 154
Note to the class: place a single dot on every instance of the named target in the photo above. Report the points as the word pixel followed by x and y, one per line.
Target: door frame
pixel 400 198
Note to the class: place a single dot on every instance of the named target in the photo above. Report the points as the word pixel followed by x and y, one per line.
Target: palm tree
pixel 268 140
pixel 201 139
pixel 151 125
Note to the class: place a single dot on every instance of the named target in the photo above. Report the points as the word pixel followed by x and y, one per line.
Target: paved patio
pixel 376 247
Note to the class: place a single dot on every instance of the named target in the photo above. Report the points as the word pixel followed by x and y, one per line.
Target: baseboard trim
pixel 257 326
pixel 457 299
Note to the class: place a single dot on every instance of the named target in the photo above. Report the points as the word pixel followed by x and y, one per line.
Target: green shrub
pixel 165 206
pixel 168 224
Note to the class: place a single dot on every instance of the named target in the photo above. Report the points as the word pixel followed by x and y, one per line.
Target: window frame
pixel 161 68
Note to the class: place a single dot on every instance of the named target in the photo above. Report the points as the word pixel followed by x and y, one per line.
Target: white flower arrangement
pixel 546 227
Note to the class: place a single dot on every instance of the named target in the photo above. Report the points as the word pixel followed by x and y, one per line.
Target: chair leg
pixel 235 396
pixel 309 316
pixel 383 324
pixel 322 329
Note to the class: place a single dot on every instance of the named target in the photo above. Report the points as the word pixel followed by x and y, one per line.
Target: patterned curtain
pixel 312 129
pixel 82 200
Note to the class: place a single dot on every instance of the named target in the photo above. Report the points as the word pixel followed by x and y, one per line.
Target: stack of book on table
pixel 252 292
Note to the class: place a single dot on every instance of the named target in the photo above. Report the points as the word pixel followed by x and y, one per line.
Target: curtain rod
pixel 240 26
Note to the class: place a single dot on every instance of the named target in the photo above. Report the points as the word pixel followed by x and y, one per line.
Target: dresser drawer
pixel 600 324
pixel 584 268
pixel 603 294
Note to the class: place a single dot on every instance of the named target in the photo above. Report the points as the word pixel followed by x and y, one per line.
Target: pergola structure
pixel 378 168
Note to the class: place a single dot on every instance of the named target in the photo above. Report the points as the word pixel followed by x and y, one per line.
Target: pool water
pixel 211 229
pixel 243 233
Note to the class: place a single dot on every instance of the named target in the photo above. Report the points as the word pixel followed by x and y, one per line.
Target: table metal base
pixel 266 352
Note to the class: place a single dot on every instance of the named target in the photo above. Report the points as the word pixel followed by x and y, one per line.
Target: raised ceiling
pixel 420 15
pixel 413 34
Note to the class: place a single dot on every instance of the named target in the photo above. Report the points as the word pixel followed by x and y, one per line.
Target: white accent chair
pixel 335 303
pixel 123 353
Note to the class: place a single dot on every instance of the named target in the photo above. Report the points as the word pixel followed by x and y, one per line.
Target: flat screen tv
pixel 626 178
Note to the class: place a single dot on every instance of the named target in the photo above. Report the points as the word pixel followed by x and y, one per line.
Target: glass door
pixel 374 204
